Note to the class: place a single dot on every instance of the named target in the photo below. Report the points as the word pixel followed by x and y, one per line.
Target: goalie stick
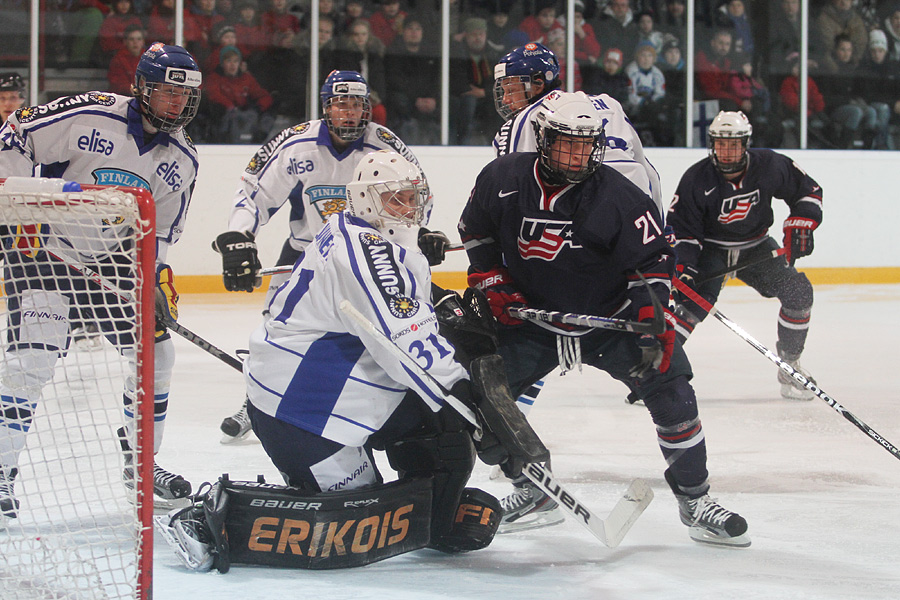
pixel 609 531
pixel 743 265
pixel 281 269
pixel 796 375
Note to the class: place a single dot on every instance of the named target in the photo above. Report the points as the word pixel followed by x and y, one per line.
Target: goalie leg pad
pixel 474 524
pixel 276 525
pixel 500 413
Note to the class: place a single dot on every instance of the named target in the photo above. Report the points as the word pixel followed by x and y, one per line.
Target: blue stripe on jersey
pixel 73 114
pixel 354 266
pixel 296 293
pixel 526 120
pixel 439 400
pixel 310 398
pixel 295 198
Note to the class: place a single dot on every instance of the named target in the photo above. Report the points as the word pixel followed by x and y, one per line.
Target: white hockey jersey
pixel 302 166
pixel 98 138
pixel 310 365
pixel 624 151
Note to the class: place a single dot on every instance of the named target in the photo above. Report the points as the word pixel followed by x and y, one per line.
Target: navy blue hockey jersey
pixel 709 209
pixel 571 249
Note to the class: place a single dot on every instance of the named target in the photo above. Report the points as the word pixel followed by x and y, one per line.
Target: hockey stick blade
pixel 610 531
pixel 793 373
pixel 750 263
pixel 281 269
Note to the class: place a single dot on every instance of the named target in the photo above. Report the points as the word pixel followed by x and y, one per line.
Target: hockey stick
pixel 796 375
pixel 106 284
pixel 281 269
pixel 609 531
pixel 743 265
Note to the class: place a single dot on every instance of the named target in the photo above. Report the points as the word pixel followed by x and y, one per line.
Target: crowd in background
pixel 255 56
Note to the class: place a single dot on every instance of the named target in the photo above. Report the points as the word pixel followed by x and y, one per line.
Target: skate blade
pixel 789 392
pixel 235 439
pixel 535 521
pixel 699 534
pixel 164 505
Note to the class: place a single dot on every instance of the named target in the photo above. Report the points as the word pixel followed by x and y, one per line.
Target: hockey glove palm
pixel 434 245
pixel 656 350
pixel 798 238
pixel 501 294
pixel 166 298
pixel 240 262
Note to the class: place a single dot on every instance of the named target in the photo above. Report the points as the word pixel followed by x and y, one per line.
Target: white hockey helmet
pixel 570 118
pixel 390 193
pixel 730 125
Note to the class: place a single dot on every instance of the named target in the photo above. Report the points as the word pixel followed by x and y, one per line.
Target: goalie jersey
pixel 624 151
pixel 301 166
pixel 98 138
pixel 312 366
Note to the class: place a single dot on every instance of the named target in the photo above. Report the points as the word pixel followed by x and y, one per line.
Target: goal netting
pixel 69 526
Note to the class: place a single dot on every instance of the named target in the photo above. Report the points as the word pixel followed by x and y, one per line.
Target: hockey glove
pixel 240 262
pixel 656 350
pixel 433 245
pixel 687 275
pixel 798 238
pixel 497 286
pixel 466 322
pixel 166 298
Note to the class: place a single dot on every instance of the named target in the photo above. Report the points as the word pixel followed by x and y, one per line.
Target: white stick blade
pixel 626 511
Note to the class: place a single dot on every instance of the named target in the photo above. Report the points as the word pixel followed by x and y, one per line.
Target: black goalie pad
pixel 502 418
pixel 466 322
pixel 474 524
pixel 280 526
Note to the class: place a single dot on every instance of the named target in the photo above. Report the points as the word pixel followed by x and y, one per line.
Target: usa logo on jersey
pixel 544 238
pixel 738 207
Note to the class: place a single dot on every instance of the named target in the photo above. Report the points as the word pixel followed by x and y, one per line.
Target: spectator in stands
pixel 672 65
pixel 161 25
pixel 223 35
pixel 387 22
pixel 473 119
pixel 541 23
pixel 413 87
pixel 853 119
pixel 502 33
pixel 238 104
pixel 112 32
pixel 647 31
pixel 203 14
pixel 587 48
pixel 249 31
pixel 279 69
pixel 892 29
pixel 362 52
pixel 556 42
pixel 790 98
pixel 228 10
pixel 124 62
pixel 880 78
pixel 714 70
pixel 12 94
pixel 673 19
pixel 648 89
pixel 611 79
pixel 839 17
pixel 617 29
pixel 733 13
pixel 278 18
pixel 784 41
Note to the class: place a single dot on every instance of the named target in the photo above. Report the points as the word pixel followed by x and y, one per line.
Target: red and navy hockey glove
pixel 656 350
pixel 798 238
pixel 687 274
pixel 501 294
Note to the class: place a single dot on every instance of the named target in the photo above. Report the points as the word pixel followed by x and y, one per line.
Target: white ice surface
pixel 822 498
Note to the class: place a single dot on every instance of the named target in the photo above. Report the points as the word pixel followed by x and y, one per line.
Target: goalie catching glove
pixel 798 238
pixel 656 350
pixel 166 298
pixel 240 261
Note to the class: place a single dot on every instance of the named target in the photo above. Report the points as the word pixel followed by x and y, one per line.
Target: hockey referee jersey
pixel 312 366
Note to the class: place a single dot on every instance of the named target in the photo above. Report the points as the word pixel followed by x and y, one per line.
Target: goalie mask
pixel 167 85
pixel 730 156
pixel 345 104
pixel 516 75
pixel 390 193
pixel 568 130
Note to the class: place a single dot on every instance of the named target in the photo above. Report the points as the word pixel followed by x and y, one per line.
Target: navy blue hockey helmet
pixel 516 73
pixel 167 83
pixel 730 125
pixel 11 82
pixel 348 91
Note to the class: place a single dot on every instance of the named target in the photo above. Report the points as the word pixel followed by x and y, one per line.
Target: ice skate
pixel 792 389
pixel 8 503
pixel 708 522
pixel 528 507
pixel 86 337
pixel 236 427
pixel 169 490
pixel 186 532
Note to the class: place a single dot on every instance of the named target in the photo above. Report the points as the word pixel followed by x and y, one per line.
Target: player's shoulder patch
pixel 27 114
pixel 262 156
pixel 386 273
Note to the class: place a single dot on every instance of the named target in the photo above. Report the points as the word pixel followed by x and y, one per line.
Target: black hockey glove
pixel 433 245
pixel 466 322
pixel 798 238
pixel 240 262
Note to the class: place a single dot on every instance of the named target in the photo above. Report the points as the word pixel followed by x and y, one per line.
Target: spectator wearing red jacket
pixel 124 62
pixel 112 31
pixel 249 31
pixel 715 70
pixel 237 104
pixel 277 18
pixel 539 25
pixel 387 22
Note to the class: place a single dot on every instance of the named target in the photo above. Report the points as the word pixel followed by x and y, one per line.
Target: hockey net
pixel 77 531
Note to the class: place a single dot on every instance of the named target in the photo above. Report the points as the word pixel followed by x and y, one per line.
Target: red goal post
pixel 76 531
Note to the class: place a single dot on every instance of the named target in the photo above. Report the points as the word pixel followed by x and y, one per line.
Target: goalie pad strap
pixel 280 526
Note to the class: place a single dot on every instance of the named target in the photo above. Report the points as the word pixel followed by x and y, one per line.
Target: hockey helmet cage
pixel 340 86
pixel 524 66
pixel 571 118
pixel 167 84
pixel 390 193
pixel 730 125
pixel 12 82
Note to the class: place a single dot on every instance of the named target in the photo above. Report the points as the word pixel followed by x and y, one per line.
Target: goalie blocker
pixel 258 523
